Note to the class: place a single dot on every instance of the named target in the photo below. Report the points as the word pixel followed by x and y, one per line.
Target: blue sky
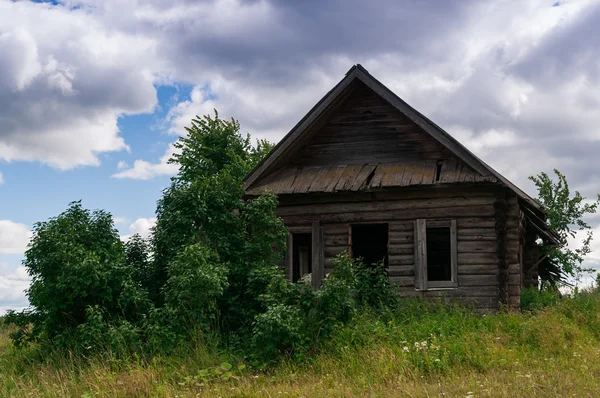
pixel 94 92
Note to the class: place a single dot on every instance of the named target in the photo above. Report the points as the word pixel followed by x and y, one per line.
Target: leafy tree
pixel 565 215
pixel 197 279
pixel 204 206
pixel 77 262
pixel 137 255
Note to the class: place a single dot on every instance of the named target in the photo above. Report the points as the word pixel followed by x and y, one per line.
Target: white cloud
pixel 65 78
pixel 119 220
pixel 141 226
pixel 14 237
pixel 144 170
pixel 13 284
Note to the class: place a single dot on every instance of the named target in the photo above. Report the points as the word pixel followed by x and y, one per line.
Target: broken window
pixel 370 242
pixel 301 255
pixel 435 254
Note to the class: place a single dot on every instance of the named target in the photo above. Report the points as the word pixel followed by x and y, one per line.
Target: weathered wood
pixel 289 257
pixel 401 270
pixel 384 216
pixel 484 205
pixel 401 259
pixel 317 255
pixel 420 254
pixel 363 175
pixel 401 249
pixel 335 229
pixel 332 251
pixel 336 240
pixel 477 246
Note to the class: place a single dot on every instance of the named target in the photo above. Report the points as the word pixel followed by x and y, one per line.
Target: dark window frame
pixel 421 279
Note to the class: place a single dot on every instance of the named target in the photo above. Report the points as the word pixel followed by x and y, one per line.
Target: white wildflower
pixel 405 349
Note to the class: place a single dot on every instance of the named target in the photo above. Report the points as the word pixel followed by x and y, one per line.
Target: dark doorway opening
pixel 439 258
pixel 302 255
pixel 370 242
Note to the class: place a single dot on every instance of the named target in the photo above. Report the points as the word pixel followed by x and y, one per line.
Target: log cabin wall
pixel 477 240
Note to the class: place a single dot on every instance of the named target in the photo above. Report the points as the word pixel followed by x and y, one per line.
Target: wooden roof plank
pixel 284 180
pixel 304 178
pixel 361 179
pixel 321 179
pixel 336 174
pixel 350 174
pixel 376 181
pixel 429 169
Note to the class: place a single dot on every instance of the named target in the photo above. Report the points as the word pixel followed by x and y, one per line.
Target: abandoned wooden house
pixel 364 172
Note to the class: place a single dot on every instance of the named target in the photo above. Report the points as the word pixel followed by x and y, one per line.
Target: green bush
pixel 77 263
pixel 197 279
pixel 533 299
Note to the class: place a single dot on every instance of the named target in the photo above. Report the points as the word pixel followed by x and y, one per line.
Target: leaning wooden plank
pixel 429 169
pixel 417 175
pixel 362 177
pixel 284 180
pixel 319 183
pixel 378 175
pixel 348 177
pixel 304 178
pixel 391 173
pixel 448 173
pixel 409 169
pixel 334 177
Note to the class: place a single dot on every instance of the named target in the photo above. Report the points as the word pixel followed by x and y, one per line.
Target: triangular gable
pixel 304 130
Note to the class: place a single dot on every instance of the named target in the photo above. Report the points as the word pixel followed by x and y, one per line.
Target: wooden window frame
pixel 316 230
pixel 421 282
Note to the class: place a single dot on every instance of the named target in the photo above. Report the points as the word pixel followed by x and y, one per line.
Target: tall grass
pixel 422 349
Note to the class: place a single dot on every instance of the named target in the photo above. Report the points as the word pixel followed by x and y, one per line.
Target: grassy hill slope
pixel 422 350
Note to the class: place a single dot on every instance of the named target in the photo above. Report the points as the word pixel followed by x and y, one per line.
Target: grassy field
pixel 420 351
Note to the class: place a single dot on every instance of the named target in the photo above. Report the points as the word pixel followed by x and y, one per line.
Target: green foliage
pixel 298 318
pixel 534 299
pixel 565 214
pixel 137 255
pixel 77 262
pixel 197 279
pixel 210 268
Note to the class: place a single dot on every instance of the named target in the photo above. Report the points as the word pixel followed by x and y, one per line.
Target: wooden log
pixel 335 229
pixel 350 207
pixel 401 249
pixel 405 281
pixel 386 216
pixel 332 251
pixel 336 240
pixel 401 259
pixel 478 280
pixel 401 270
pixel 477 269
pixel 476 246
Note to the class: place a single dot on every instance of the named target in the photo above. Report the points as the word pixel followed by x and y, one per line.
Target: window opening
pixel 439 254
pixel 302 255
pixel 370 242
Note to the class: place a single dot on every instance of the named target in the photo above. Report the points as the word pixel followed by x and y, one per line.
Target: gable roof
pixel 336 95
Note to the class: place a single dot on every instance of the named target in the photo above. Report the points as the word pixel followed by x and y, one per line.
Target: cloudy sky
pixel 94 92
